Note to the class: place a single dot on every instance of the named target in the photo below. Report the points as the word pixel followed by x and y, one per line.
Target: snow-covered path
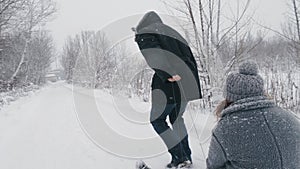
pixel 42 132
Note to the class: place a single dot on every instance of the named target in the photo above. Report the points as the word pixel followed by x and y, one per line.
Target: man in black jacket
pixel 174 84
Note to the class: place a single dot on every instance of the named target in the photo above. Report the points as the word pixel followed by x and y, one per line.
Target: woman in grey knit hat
pixel 252 131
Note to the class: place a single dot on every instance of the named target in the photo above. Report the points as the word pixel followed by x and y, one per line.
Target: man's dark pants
pixel 175 137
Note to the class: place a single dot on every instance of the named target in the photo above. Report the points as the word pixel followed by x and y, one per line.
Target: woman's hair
pixel 223 105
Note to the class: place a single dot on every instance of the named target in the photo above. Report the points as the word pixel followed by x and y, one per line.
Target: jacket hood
pixel 251 103
pixel 148 19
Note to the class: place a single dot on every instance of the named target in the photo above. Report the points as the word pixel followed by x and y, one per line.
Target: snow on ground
pixel 43 132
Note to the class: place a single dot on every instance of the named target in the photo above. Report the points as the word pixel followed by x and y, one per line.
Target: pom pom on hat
pixel 246 83
pixel 248 68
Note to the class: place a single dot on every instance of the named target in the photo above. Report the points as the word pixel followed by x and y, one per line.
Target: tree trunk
pixel 21 61
pixel 297 18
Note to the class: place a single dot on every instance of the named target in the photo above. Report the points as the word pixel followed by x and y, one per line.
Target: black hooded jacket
pixel 168 54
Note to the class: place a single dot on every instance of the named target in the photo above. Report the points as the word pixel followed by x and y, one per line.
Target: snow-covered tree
pixel 87 60
pixel 21 22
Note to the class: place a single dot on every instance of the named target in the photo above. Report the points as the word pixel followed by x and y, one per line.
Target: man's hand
pixel 174 78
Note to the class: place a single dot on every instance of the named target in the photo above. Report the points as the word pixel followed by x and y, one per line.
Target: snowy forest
pixel 219 42
pixel 26 47
pixel 75 89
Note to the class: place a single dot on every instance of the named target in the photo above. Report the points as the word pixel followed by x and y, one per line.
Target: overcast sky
pixel 77 15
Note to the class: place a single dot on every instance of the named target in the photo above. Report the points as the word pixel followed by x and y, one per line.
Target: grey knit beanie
pixel 246 83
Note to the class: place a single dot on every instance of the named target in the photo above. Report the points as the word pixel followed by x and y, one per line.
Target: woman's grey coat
pixel 255 133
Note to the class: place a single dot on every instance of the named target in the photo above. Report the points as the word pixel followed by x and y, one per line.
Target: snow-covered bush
pixel 7 97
